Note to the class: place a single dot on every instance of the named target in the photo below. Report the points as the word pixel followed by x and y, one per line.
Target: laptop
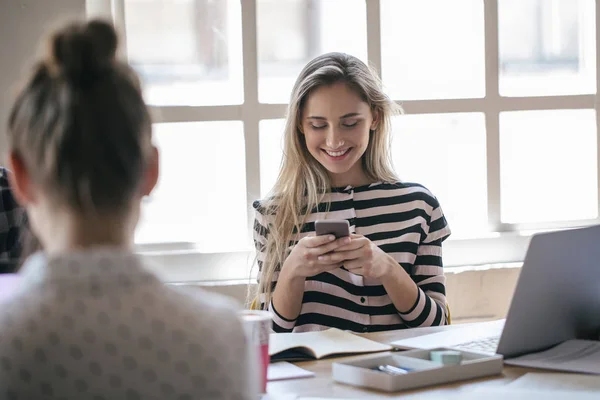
pixel 9 283
pixel 557 298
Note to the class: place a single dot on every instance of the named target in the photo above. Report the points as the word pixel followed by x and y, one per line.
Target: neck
pixel 61 232
pixel 355 176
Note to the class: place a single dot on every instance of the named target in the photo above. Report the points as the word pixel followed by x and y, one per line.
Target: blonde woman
pixel 388 274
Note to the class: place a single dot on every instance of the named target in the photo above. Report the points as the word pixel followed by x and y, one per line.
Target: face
pixel 336 124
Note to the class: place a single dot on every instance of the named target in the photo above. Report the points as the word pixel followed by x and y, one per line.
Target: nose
pixel 334 139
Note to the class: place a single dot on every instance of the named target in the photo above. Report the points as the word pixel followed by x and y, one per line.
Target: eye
pixel 350 124
pixel 318 126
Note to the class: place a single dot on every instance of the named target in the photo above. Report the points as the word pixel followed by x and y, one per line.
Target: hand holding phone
pixel 337 228
pixel 303 261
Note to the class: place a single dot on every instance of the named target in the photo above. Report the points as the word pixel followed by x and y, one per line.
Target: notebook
pixel 319 344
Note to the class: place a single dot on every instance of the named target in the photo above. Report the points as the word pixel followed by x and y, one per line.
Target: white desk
pixel 322 385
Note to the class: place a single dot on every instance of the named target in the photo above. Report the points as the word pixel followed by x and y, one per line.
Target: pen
pixel 390 369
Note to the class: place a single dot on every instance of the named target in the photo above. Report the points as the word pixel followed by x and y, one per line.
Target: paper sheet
pixel 506 392
pixel 497 393
pixel 284 370
pixel 550 381
pixel 572 356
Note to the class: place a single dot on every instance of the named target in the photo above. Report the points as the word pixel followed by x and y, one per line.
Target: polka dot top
pixel 97 325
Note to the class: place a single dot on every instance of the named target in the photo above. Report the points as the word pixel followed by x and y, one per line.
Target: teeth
pixel 336 153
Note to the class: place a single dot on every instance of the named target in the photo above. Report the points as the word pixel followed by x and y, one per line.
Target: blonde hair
pixel 303 182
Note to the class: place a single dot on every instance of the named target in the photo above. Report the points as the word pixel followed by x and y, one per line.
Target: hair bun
pixel 83 51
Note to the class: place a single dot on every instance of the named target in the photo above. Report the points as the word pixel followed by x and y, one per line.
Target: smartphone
pixel 338 228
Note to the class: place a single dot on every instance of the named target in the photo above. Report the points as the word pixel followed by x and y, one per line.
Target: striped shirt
pixel 406 221
pixel 12 226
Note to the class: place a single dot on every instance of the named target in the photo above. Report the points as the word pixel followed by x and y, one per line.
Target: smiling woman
pixel 338 138
pixel 388 274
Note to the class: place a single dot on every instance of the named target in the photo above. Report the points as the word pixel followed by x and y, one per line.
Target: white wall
pixel 23 24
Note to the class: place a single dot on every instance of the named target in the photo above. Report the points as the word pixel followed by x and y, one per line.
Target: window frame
pixel 505 243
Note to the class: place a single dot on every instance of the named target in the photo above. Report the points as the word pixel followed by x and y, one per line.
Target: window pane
pixel 433 49
pixel 271 152
pixel 547 47
pixel 447 154
pixel 201 194
pixel 188 52
pixel 292 32
pixel 548 165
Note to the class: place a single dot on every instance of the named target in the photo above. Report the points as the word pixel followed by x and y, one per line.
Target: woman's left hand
pixel 362 257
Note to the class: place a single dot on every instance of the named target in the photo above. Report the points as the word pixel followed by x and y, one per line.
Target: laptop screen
pixel 8 285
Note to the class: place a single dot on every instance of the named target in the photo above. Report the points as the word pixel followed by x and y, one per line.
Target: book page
pixel 324 343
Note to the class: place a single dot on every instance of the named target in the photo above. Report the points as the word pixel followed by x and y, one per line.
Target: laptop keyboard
pixel 485 345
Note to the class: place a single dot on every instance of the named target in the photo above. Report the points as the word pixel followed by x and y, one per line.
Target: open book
pixel 316 345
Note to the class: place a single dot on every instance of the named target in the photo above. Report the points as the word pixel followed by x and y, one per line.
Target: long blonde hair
pixel 303 182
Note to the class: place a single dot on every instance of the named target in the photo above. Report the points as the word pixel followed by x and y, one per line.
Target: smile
pixel 337 154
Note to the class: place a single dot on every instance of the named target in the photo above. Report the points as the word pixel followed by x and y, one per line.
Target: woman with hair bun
pixel 89 321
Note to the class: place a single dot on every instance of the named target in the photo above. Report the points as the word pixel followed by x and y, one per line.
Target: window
pixel 500 99
pixel 187 52
pixel 453 168
pixel 546 47
pixel 292 32
pixel 433 55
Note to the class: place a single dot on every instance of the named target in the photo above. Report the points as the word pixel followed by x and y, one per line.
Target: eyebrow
pixel 352 114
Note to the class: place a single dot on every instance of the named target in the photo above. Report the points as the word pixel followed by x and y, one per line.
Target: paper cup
pixel 257 326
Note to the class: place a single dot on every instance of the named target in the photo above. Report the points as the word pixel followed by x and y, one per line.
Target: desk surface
pixel 322 385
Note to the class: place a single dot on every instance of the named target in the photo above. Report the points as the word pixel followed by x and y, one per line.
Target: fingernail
pixel 321 258
pixel 331 238
pixel 347 240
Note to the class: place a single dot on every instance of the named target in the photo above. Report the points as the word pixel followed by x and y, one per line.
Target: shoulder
pixel 266 206
pixel 209 301
pixel 19 317
pixel 211 308
pixel 211 314
pixel 264 214
pixel 400 192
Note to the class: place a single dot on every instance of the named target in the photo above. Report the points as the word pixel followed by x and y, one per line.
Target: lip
pixel 338 158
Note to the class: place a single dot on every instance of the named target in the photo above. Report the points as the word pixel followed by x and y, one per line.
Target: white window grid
pixel 505 243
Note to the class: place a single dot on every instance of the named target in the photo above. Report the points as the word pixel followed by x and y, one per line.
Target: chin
pixel 337 171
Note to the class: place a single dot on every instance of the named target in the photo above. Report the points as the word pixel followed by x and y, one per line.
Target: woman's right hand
pixel 303 261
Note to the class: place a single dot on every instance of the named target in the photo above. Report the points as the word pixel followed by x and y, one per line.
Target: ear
pixel 20 180
pixel 376 118
pixel 152 173
pixel 300 127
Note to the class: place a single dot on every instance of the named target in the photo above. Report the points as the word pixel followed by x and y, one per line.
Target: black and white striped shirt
pixel 12 225
pixel 405 220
